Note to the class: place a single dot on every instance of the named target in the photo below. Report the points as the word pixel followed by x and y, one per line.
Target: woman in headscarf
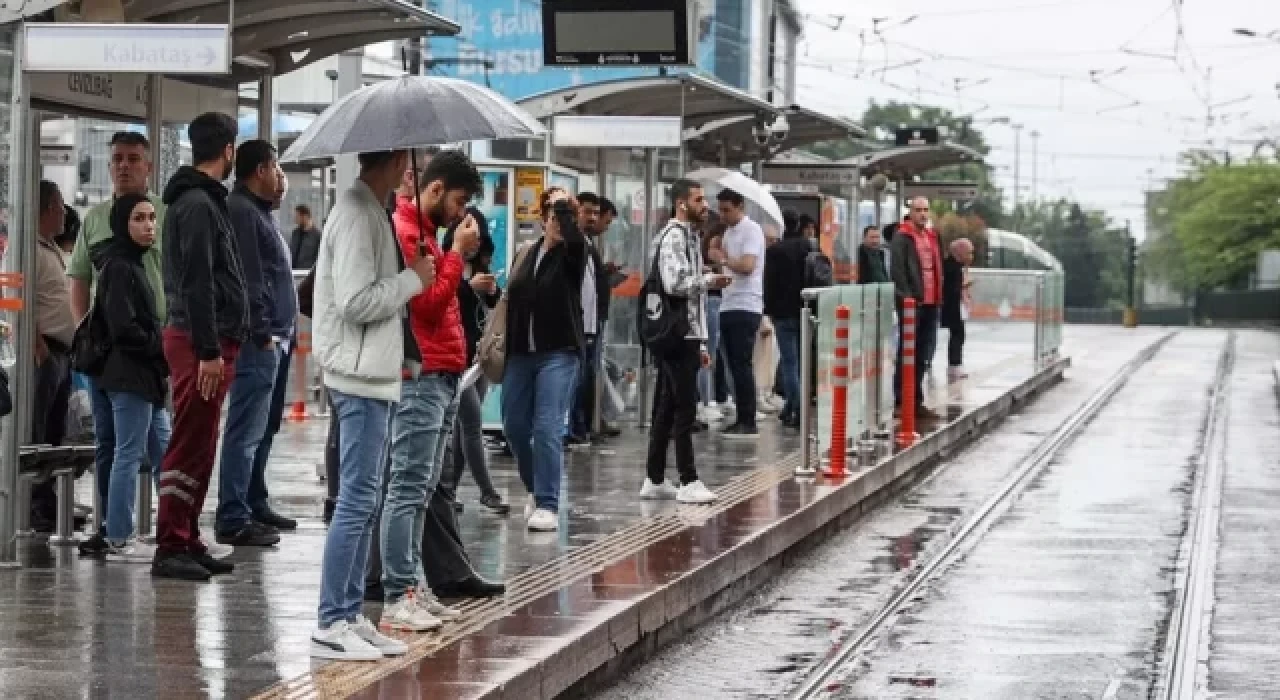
pixel 134 375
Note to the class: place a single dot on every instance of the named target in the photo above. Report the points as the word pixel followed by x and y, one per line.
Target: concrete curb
pixel 637 631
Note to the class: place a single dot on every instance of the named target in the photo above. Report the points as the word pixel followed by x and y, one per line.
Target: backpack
pixel 662 321
pixel 818 271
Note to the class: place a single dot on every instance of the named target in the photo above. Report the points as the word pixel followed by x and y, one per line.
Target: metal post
pixel 155 127
pixel 350 79
pixel 1017 173
pixel 266 108
pixel 597 420
pixel 899 195
pixel 1035 143
pixel 642 377
pixel 25 126
pixel 146 482
pixel 66 513
pixel 806 467
pixel 1039 324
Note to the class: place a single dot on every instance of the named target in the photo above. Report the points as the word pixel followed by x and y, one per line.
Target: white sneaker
pixel 428 601
pixel 696 492
pixel 709 414
pixel 340 642
pixel 132 552
pixel 765 403
pixel 543 520
pixel 215 550
pixel 655 492
pixel 406 615
pixel 384 644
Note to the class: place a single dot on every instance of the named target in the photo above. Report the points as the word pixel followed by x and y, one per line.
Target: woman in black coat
pixel 134 375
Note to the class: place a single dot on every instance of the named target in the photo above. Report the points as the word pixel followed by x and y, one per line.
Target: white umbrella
pixel 761 206
pixel 410 112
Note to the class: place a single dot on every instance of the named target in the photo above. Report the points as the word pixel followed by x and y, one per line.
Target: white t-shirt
pixel 745 292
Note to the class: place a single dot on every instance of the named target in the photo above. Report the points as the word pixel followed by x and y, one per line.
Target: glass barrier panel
pixel 828 300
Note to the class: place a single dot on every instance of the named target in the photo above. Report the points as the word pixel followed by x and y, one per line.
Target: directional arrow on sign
pixel 208 55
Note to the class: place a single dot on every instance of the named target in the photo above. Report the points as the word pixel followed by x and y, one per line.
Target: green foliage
pixel 1217 219
pixel 1092 252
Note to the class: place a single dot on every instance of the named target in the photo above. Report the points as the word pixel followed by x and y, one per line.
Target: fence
pixel 855 362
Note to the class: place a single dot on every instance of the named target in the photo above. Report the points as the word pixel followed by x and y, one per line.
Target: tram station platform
pixel 620 578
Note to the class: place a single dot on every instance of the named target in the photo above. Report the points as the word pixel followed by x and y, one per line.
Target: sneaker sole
pixel 539 528
pixel 319 651
pixel 696 502
pixel 740 436
pixel 407 627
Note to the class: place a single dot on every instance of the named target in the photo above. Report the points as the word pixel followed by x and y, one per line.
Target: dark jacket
pixel 304 247
pixel 952 291
pixel 135 362
pixel 268 278
pixel 871 267
pixel 784 265
pixel 904 268
pixel 472 305
pixel 603 289
pixel 203 279
pixel 551 298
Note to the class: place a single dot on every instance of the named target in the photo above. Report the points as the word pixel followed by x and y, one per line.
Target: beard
pixel 438 216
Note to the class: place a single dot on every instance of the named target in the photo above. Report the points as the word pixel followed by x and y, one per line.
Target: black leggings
pixel 955 344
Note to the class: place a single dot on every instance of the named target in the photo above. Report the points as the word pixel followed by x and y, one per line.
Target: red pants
pixel 188 463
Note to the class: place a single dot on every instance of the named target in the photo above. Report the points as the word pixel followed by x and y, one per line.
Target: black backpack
pixel 662 320
pixel 818 271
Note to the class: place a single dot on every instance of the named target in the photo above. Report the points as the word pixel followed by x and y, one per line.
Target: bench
pixel 40 463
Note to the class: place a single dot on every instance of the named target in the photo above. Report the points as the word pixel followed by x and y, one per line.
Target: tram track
pixel 827 674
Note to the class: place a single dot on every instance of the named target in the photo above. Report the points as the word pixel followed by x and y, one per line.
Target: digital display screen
pixel 615 32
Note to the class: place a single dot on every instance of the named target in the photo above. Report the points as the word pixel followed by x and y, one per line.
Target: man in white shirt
pixel 741 307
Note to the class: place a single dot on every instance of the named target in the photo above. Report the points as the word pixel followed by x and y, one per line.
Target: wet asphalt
pixel 1068 593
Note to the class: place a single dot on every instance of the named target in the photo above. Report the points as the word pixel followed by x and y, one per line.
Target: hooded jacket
pixel 135 361
pixel 203 279
pixel 434 314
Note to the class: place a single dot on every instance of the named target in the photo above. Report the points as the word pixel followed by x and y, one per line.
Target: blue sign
pixel 509 34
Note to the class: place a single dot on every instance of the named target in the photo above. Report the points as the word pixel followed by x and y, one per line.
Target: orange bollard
pixel 300 355
pixel 907 431
pixel 839 394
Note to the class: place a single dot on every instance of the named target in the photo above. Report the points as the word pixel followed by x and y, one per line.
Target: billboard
pixel 509 34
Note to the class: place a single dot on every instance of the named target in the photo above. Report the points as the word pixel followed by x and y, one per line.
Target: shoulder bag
pixel 491 351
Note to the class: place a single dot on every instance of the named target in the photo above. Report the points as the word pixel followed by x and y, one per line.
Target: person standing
pixel 130 171
pixel 55 328
pixel 134 375
pixel 741 307
pixel 272 312
pixel 364 347
pixel 544 342
pixel 422 425
pixel 916 269
pixel 208 320
pixel 871 263
pixel 595 312
pixel 304 242
pixel 784 280
pixel 955 289
pixel 675 403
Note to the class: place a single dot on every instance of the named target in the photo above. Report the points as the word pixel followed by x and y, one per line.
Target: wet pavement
pixel 80 628
pixel 979 634
pixel 1244 645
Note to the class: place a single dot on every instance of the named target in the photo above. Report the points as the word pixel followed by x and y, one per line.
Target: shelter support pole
pixel 597 422
pixel 350 79
pixel 899 199
pixel 267 108
pixel 24 162
pixel 645 388
pixel 155 128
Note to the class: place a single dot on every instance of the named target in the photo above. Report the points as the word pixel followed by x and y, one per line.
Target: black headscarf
pixel 121 211
pixel 486 240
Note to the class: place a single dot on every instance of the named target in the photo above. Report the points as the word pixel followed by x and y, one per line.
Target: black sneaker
pixel 273 519
pixel 215 567
pixel 494 503
pixel 178 566
pixel 253 534
pixel 740 432
pixel 95 546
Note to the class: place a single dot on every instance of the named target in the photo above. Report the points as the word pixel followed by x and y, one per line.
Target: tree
pixel 1221 216
pixel 881 121
pixel 1091 251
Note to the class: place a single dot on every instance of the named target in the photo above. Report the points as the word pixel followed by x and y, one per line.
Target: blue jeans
pixel 536 391
pixel 250 397
pixel 788 330
pixel 707 375
pixel 584 399
pixel 363 425
pixel 140 428
pixel 420 435
pixel 104 450
pixel 258 495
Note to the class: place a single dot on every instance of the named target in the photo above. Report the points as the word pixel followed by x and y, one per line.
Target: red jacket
pixel 434 314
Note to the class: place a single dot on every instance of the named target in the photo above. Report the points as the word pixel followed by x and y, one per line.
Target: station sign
pixel 916 136
pixel 52 154
pixel 127 48
pixel 954 191
pixel 809 174
pixel 571 131
pixel 608 33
